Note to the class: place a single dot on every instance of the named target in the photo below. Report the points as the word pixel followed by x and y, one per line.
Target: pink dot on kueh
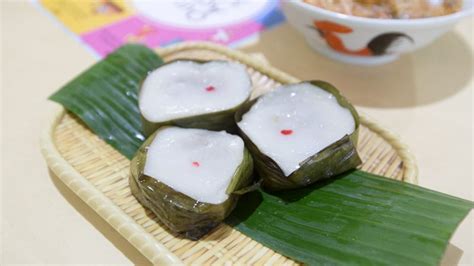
pixel 210 88
pixel 286 132
pixel 196 164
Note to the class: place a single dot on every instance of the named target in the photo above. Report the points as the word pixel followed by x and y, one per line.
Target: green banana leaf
pixel 109 90
pixel 356 218
pixel 335 159
pixel 221 120
pixel 176 210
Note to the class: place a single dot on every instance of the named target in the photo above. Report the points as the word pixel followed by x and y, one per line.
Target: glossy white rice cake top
pixel 294 122
pixel 196 162
pixel 186 88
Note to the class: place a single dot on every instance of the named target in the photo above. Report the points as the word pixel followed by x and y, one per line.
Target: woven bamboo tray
pixel 99 175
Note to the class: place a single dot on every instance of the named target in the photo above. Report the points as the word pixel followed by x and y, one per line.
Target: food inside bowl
pixel 390 9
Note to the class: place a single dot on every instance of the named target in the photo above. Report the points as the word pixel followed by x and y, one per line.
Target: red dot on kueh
pixel 196 164
pixel 210 88
pixel 286 132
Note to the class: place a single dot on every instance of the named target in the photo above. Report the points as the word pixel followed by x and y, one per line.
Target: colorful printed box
pixel 105 24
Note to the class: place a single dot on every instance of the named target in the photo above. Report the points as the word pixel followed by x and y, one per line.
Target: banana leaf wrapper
pixel 180 213
pixel 216 121
pixel 335 159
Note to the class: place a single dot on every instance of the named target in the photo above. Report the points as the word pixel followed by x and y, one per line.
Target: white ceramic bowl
pixel 366 41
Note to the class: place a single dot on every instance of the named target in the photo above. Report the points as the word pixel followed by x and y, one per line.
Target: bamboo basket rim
pixel 151 248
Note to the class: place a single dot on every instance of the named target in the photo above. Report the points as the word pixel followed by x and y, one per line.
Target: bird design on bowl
pixel 382 44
